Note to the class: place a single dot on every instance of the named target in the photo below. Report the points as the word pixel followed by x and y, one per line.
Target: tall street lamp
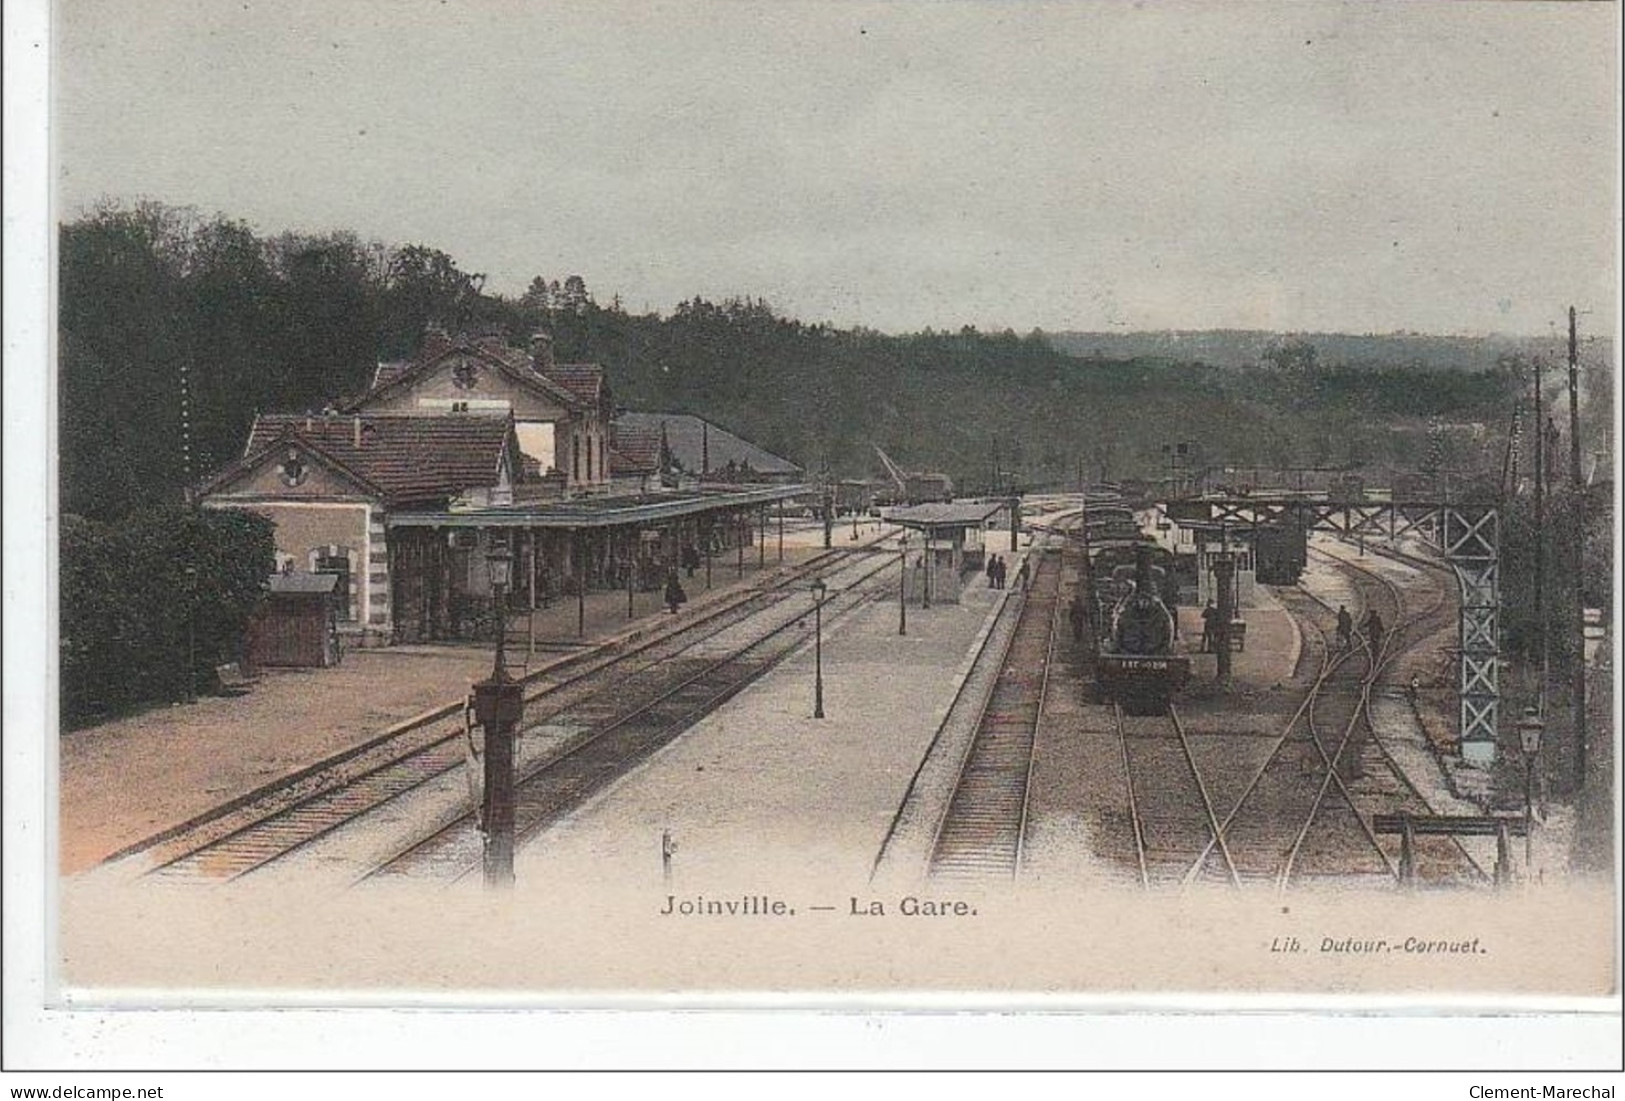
pixel 1530 729
pixel 925 582
pixel 902 586
pixel 818 589
pixel 498 704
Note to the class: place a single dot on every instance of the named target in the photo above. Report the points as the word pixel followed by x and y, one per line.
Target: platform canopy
pixel 603 512
pixel 936 516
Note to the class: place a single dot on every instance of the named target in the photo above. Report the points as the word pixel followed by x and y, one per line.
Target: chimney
pixel 541 350
pixel 356 435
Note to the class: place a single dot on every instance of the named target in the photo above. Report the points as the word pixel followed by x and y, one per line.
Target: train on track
pixel 1137 665
pixel 1128 593
pixel 1280 552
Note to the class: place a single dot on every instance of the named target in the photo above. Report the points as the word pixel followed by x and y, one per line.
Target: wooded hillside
pixel 293 322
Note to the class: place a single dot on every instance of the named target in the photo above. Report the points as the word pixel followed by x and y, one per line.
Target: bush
pixel 151 606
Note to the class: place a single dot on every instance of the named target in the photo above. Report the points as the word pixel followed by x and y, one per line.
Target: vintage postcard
pixel 1020 506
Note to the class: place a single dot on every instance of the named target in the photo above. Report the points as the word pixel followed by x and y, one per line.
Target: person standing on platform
pixel 1210 621
pixel 1022 576
pixel 675 595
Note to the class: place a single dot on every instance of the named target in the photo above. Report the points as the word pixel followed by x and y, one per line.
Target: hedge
pixel 150 606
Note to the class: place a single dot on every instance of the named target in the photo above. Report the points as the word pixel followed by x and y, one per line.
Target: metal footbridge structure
pixel 1467 538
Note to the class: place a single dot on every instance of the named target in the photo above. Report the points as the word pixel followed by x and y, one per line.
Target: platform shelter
pixel 947 544
pixel 562 550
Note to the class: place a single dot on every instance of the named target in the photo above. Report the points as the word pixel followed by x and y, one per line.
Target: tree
pixel 425 286
pixel 1295 356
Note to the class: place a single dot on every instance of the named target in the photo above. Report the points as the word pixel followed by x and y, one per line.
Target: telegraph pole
pixel 1579 558
pixel 1224 567
pixel 1540 536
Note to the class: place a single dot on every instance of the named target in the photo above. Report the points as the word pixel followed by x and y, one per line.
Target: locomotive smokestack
pixel 1142 568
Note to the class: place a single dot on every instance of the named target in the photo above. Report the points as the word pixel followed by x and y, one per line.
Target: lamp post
pixel 902 586
pixel 498 704
pixel 925 581
pixel 818 648
pixel 1530 729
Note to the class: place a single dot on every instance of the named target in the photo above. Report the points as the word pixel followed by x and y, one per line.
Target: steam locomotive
pixel 1136 664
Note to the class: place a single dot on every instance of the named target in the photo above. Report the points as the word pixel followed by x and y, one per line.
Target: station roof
pixel 696 442
pixel 959 514
pixel 602 512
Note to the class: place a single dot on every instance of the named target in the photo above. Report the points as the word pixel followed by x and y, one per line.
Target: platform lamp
pixel 902 586
pixel 1530 729
pixel 498 704
pixel 818 589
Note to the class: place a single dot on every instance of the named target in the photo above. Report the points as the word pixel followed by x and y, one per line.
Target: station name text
pixel 752 906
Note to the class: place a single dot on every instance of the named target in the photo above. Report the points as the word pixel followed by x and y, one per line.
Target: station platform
pixel 1274 644
pixel 127 779
pixel 761 792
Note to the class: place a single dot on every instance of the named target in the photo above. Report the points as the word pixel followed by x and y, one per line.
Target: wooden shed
pixel 297 626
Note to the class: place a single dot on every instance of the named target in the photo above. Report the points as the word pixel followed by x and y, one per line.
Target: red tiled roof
pixel 637 449
pixel 584 380
pixel 412 458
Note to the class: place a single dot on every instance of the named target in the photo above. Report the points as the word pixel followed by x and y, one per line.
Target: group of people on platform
pixel 997 570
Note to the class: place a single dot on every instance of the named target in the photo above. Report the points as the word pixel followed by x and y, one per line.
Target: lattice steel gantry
pixel 1468 536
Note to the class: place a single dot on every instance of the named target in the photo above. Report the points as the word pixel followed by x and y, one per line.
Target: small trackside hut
pixel 297 625
pixel 947 543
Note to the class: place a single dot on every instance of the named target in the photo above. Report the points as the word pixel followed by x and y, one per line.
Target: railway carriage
pixel 1281 551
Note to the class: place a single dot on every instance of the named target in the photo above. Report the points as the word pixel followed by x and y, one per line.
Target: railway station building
pixel 403 491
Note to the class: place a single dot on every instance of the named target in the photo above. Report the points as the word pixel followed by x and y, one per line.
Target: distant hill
pixel 1246 348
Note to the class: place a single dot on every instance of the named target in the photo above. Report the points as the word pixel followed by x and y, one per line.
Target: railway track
pixel 286 816
pixel 1303 813
pixel 629 727
pixel 980 835
pixel 1179 823
pixel 1382 785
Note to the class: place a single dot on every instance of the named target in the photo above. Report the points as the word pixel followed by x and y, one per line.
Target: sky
pixel 1362 167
